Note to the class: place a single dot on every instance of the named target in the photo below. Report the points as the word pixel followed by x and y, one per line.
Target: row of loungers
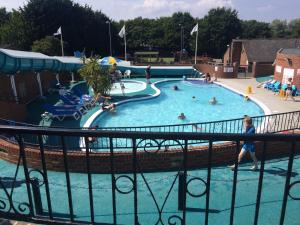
pixel 74 105
pixel 276 86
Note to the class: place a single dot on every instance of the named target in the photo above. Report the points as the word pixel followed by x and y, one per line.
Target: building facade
pixel 287 65
pixel 256 57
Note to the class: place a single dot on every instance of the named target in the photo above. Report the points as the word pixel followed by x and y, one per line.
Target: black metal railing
pixel 273 123
pixel 32 195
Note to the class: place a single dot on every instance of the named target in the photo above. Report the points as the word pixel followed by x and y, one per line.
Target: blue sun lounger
pixel 61 114
pixel 72 100
pixel 80 109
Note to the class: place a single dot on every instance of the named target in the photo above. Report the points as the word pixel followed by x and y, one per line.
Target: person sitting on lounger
pixel 181 116
pixel 213 101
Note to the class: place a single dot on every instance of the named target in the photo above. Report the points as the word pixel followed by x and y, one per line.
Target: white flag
pixel 195 29
pixel 122 32
pixel 58 32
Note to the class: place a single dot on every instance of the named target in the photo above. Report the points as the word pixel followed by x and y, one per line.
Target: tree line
pixel 31 27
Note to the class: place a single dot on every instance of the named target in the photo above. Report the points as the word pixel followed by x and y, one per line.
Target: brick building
pixel 287 65
pixel 256 56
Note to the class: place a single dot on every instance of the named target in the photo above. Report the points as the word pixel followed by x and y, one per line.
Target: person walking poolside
pixel 148 74
pixel 248 146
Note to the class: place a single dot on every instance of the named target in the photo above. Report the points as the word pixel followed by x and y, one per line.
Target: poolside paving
pixel 275 103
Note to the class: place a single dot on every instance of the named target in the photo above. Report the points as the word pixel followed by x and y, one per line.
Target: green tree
pixel 221 25
pixel 96 76
pixel 294 28
pixel 48 45
pixel 279 28
pixel 255 29
pixel 82 27
pixel 16 32
pixel 4 16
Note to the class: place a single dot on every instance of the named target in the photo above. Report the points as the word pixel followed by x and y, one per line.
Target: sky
pixel 261 10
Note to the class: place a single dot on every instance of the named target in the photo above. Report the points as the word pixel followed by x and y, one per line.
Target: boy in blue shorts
pixel 248 146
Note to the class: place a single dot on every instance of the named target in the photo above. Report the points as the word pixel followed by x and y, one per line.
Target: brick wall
pixel 236 51
pixel 281 60
pixel 243 58
pixel 223 154
pixel 226 56
pixel 262 69
pixel 27 86
pixel 13 111
pixel 6 93
pixel 209 68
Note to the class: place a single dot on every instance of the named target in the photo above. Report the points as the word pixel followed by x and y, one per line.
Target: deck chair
pixel 127 74
pixel 62 114
pixel 69 100
pixel 81 110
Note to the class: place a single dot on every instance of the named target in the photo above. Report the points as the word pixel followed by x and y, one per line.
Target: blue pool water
pixel 164 109
pixel 160 183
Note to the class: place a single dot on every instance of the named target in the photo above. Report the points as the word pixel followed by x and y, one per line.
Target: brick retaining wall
pixel 223 154
pixel 210 68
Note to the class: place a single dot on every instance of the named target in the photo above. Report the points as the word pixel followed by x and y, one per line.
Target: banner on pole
pixel 122 32
pixel 58 32
pixel 195 29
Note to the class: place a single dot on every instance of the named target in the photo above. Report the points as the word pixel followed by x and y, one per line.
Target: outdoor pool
pixel 129 87
pixel 164 109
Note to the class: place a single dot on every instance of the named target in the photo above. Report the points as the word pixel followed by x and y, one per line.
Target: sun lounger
pixel 295 91
pixel 80 109
pixel 69 100
pixel 269 85
pixel 77 92
pixel 61 114
pixel 276 87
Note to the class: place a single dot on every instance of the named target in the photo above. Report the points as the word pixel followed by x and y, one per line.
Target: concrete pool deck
pixel 273 102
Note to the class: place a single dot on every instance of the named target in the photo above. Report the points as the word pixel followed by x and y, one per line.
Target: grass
pixel 161 59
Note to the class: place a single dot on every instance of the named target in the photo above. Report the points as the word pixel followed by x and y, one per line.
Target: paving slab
pixel 275 103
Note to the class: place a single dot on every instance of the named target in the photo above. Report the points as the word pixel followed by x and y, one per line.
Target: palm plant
pixel 96 76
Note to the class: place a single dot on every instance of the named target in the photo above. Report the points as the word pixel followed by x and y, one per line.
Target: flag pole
pixel 61 42
pixel 196 47
pixel 125 44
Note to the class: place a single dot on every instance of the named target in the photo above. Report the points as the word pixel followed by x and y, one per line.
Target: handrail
pixel 274 123
pixel 154 126
pixel 149 135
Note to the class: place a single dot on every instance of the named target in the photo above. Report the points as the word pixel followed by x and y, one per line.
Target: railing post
pixel 181 183
pixel 37 196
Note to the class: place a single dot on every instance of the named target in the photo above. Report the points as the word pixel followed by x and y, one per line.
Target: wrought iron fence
pixel 36 202
pixel 274 123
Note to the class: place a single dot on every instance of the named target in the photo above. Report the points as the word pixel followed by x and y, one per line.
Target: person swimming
pixel 181 116
pixel 175 88
pixel 213 101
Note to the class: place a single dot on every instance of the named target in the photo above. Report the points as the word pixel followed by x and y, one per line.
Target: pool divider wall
pixel 170 160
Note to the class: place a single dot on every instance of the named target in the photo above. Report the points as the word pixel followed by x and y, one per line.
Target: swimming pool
pixel 160 183
pixel 164 109
pixel 129 87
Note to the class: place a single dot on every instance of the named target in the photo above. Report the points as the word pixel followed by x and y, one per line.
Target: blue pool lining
pixel 90 121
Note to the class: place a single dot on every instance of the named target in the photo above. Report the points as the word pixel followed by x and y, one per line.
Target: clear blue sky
pixel 262 10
